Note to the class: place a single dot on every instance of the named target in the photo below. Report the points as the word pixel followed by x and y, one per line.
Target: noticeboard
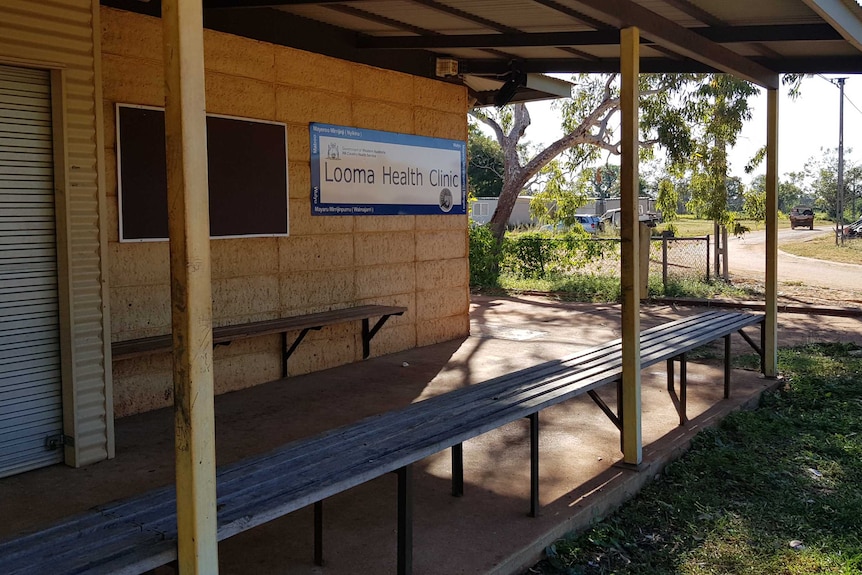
pixel 247 173
pixel 355 171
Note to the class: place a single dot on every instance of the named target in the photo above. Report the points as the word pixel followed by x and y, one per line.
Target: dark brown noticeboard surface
pixel 247 176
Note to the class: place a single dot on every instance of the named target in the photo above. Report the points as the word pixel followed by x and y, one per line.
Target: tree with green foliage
pixel 484 164
pixel 853 188
pixel 587 131
pixel 716 109
pixel 754 204
pixel 606 180
pixel 821 178
pixel 789 191
pixel 667 202
pixel 560 196
pixel 694 117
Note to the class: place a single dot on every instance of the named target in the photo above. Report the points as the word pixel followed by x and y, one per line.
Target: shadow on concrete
pixel 487 530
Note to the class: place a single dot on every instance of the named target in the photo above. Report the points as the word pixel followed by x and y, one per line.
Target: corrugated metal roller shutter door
pixel 30 384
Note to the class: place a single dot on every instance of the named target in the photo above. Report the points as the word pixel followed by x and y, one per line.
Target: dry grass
pixel 688 226
pixel 824 248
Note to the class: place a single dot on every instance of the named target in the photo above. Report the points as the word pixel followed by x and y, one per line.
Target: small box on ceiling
pixel 447 67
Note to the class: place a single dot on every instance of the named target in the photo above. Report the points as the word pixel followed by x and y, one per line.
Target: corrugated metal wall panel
pixel 31 407
pixel 60 33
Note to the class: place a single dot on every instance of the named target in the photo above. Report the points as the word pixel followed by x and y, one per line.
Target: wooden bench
pixel 139 534
pixel 301 323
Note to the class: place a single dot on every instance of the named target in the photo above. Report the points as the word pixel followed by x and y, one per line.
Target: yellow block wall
pixel 328 262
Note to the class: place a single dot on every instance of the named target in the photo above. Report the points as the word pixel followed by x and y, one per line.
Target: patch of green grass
pixel 698 288
pixel 572 287
pixel 603 288
pixel 824 248
pixel 790 471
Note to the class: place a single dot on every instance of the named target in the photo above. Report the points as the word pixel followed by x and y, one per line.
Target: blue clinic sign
pixel 357 172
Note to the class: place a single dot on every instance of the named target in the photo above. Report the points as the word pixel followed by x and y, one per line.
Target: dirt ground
pixel 800 280
pixel 794 293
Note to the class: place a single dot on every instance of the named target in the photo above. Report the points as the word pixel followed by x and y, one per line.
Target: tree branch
pixel 490 122
pixel 580 135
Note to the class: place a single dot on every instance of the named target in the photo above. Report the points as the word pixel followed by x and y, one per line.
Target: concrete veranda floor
pixel 487 530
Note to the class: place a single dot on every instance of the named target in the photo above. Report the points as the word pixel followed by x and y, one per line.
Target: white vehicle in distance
pixel 590 224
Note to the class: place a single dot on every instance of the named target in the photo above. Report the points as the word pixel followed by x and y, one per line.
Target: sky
pixel 806 125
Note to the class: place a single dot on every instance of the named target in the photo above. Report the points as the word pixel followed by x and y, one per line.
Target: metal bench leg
pixel 605 409
pixel 759 349
pixel 670 382
pixel 620 412
pixel 369 333
pixel 405 520
pixel 727 366
pixel 286 353
pixel 458 469
pixel 682 389
pixel 318 533
pixel 677 400
pixel 534 464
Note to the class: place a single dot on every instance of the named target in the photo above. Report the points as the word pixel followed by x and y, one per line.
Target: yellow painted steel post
pixel 770 341
pixel 191 289
pixel 629 231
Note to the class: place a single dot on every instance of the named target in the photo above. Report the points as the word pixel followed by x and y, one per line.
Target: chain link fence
pixel 671 258
pixel 680 258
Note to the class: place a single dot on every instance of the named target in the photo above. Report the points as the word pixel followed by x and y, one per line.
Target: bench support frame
pixel 405 520
pixel 367 336
pixel 487 406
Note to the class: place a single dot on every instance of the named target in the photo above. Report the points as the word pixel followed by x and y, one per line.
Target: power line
pixel 846 97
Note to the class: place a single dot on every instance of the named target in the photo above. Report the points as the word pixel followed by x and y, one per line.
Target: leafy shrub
pixel 542 254
pixel 485 257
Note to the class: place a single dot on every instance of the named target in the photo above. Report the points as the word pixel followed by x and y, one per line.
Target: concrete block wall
pixel 328 261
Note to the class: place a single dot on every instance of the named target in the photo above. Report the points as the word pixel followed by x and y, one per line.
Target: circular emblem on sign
pixel 445 200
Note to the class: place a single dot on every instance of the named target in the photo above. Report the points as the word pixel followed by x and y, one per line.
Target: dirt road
pixel 834 281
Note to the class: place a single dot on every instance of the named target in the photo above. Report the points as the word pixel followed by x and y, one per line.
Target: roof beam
pixel 819 32
pixel 458 13
pixel 624 13
pixel 695 12
pixel 802 65
pixel 372 17
pixel 845 20
pixel 488 67
pixel 543 39
pixel 572 13
pixel 209 4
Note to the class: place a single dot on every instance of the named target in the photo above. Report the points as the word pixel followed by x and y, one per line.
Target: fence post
pixel 716 256
pixel 664 263
pixel 724 265
pixel 708 259
pixel 645 242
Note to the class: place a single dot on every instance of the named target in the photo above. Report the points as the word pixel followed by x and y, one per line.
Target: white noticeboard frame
pixel 355 171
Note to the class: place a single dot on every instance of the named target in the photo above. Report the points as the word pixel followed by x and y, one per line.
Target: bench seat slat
pixel 504 384
pixel 527 406
pixel 267 486
pixel 91 552
pixel 397 421
pixel 306 458
pixel 228 333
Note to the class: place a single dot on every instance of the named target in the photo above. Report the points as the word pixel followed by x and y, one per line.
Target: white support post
pixel 770 326
pixel 630 276
pixel 191 289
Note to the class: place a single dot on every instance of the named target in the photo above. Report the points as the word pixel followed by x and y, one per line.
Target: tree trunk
pixel 505 205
